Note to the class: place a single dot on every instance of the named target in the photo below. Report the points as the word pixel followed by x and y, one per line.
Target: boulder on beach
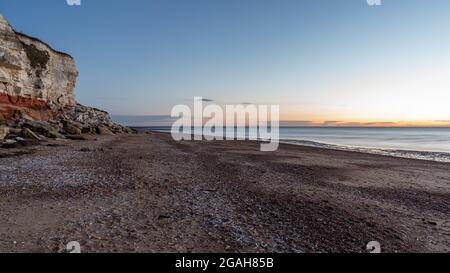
pixel 4 131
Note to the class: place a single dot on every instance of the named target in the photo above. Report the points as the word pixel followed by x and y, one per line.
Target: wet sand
pixel 146 193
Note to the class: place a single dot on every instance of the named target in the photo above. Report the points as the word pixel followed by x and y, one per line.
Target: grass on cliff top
pixel 42 42
pixel 38 58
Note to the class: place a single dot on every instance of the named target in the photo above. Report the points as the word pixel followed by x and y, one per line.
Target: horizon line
pixel 167 120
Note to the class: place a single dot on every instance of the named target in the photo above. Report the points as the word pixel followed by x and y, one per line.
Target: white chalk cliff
pixel 37 84
pixel 30 68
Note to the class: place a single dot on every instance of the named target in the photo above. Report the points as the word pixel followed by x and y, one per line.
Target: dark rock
pixel 27 142
pixel 11 144
pixel 27 133
pixel 55 145
pixel 72 128
pixel 162 217
pixel 103 130
pixel 45 128
pixel 15 131
pixel 76 137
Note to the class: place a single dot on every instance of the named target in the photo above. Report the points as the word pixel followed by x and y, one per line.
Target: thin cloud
pixel 149 120
pixel 297 123
pixel 332 122
pixel 206 100
pixel 336 123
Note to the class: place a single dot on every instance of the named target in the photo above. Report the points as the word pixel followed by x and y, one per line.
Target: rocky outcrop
pixel 80 118
pixel 37 85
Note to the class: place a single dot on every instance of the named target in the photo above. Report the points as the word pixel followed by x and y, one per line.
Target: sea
pixel 427 143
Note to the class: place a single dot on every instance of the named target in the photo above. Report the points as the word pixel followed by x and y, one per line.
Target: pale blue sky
pixel 319 59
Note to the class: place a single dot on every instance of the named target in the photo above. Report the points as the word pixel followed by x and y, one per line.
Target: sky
pixel 330 62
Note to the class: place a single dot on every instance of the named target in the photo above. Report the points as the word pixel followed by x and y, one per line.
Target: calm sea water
pixel 421 143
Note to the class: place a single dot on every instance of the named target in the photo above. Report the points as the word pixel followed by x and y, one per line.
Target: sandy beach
pixel 147 193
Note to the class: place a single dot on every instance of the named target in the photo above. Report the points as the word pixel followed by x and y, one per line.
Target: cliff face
pixel 33 76
pixel 36 92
